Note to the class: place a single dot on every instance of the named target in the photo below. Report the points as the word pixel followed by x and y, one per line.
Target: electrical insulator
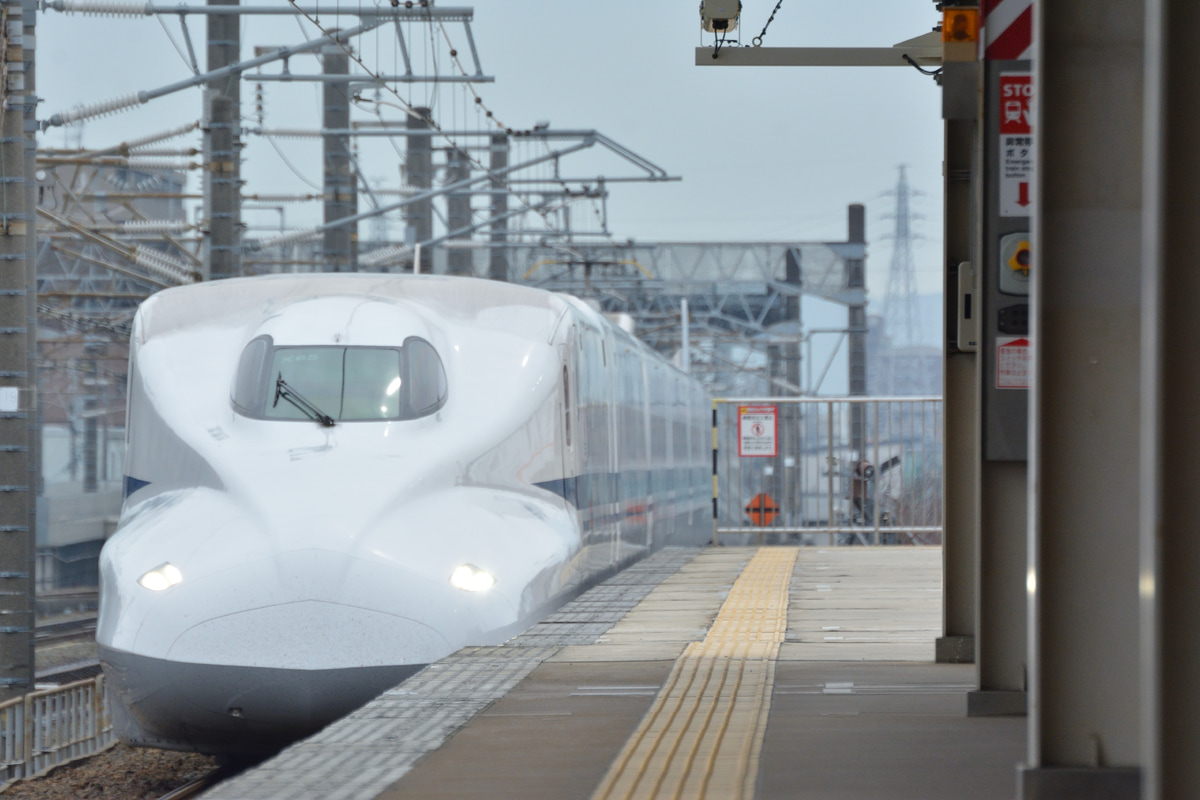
pixel 102 9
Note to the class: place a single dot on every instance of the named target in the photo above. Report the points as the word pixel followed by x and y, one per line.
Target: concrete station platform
pixel 724 673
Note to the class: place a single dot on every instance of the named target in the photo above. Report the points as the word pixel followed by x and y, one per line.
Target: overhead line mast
pixel 18 396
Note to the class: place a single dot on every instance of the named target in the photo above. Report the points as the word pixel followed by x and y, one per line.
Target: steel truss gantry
pixel 742 298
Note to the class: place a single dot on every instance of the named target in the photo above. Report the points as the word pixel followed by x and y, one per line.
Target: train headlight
pixel 161 578
pixel 471 578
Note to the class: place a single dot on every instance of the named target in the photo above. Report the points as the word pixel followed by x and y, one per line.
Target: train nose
pixel 301 667
pixel 304 609
pixel 309 634
pixel 270 658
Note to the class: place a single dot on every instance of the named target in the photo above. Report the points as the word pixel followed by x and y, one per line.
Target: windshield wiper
pixel 282 389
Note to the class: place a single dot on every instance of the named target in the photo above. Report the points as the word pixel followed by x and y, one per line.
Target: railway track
pixel 66 630
pixel 69 673
pixel 195 787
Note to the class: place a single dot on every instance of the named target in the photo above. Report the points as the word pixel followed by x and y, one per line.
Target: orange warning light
pixel 960 24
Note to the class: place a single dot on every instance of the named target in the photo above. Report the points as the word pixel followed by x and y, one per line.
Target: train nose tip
pixel 309 635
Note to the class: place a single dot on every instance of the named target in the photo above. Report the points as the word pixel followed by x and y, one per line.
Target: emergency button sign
pixel 1016 144
pixel 756 431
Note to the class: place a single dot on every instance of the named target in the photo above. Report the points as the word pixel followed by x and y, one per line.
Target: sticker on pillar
pixel 1016 144
pixel 1016 259
pixel 1012 362
pixel 756 431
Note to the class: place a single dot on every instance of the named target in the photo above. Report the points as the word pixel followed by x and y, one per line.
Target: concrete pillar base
pixel 996 704
pixel 1079 783
pixel 955 650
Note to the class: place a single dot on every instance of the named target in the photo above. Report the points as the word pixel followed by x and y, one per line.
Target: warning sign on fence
pixel 762 509
pixel 756 431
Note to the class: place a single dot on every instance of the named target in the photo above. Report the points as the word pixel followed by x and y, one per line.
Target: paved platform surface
pixel 726 672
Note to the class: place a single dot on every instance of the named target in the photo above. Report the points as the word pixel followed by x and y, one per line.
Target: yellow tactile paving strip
pixel 702 736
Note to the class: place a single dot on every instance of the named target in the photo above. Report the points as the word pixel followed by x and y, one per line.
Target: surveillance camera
pixel 719 16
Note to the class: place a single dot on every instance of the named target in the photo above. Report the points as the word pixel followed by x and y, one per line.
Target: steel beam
pixel 417 14
pixel 818 56
pixel 372 80
pixel 925 50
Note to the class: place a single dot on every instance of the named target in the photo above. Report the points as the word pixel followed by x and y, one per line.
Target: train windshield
pixel 344 383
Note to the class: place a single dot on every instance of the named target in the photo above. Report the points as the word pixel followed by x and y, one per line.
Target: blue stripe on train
pixel 601 488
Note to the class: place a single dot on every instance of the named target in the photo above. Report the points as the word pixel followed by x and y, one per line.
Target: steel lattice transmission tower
pixel 903 323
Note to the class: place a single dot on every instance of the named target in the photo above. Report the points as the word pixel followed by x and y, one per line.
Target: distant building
pixel 900 371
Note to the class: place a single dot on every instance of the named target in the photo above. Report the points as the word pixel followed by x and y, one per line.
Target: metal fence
pixel 832 470
pixel 46 728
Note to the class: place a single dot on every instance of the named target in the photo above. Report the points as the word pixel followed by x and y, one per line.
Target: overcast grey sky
pixel 773 154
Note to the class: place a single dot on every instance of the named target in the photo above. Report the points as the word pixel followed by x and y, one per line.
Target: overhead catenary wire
pixel 407 106
pixel 127 101
pixel 292 166
pixel 469 96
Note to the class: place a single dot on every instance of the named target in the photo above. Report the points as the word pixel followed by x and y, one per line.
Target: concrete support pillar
pixel 33 406
pixel 17 225
pixel 458 212
pixel 1170 549
pixel 960 388
pixel 856 278
pixel 1000 644
pixel 222 148
pixel 1000 655
pixel 418 167
pixel 339 248
pixel 1083 547
pixel 498 254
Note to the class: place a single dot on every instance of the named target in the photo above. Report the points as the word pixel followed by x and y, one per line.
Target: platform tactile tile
pixel 363 753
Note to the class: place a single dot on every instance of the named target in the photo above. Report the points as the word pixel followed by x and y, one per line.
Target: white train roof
pixel 177 309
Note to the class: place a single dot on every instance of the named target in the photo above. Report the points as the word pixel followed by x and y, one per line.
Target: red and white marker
pixel 1007 32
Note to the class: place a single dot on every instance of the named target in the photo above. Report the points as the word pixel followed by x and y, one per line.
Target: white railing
pixel 845 470
pixel 54 726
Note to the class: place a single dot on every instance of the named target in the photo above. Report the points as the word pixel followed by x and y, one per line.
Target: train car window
pixel 350 384
pixel 250 385
pixel 372 384
pixel 426 379
pixel 315 372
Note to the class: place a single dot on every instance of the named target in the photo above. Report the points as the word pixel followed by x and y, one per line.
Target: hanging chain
pixel 758 39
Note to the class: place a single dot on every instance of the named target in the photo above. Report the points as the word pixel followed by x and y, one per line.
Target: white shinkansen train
pixel 335 479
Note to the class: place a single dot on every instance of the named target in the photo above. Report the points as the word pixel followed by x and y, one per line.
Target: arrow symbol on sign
pixel 1023 193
